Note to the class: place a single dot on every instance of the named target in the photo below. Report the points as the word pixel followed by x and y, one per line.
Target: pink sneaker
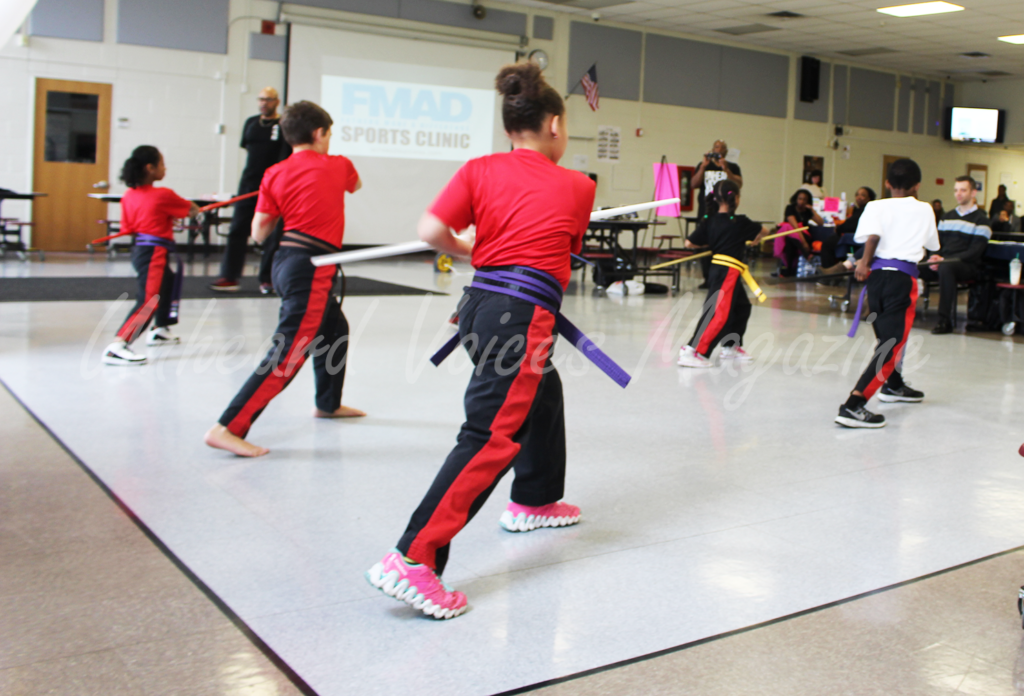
pixel 523 518
pixel 737 354
pixel 416 585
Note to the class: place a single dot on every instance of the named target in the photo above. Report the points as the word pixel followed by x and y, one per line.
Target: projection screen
pixel 407 112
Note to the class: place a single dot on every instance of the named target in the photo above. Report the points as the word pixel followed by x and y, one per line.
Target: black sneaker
pixel 859 417
pixel 904 393
pixel 943 327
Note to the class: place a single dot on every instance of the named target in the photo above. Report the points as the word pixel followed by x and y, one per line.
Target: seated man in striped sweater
pixel 963 233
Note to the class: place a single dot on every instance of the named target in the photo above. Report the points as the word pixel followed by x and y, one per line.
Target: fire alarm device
pixel 639 132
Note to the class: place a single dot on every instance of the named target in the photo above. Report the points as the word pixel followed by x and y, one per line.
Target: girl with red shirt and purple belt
pixel 530 215
pixel 149 213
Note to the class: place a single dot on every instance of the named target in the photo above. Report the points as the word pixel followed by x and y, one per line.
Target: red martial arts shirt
pixel 528 211
pixel 308 191
pixel 151 210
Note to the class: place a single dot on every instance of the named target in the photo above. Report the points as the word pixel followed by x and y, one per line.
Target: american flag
pixel 589 82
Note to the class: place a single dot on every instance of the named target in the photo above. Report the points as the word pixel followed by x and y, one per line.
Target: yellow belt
pixel 730 262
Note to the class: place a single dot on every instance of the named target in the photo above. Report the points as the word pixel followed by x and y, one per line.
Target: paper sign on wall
pixel 608 138
pixel 666 185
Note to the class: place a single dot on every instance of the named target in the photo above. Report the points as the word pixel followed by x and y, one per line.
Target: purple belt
pixel 882 265
pixel 179 274
pixel 543 290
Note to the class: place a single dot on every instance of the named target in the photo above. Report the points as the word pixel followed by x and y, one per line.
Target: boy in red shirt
pixel 149 213
pixel 530 214
pixel 307 190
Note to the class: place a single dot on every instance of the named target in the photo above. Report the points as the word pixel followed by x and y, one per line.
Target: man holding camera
pixel 712 169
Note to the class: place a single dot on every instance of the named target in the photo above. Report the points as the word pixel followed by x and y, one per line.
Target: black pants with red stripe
pixel 153 298
pixel 310 322
pixel 892 298
pixel 725 314
pixel 514 419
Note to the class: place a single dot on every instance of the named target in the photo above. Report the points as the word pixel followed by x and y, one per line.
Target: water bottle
pixel 1015 270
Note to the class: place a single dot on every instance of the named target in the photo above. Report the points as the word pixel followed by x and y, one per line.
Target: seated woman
pixel 790 248
pixel 937 207
pixel 835 248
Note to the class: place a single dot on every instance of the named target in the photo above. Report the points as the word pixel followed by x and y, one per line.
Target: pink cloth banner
pixel 831 205
pixel 666 185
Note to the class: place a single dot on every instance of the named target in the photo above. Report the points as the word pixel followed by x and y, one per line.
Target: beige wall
pixel 771 149
pixel 175 99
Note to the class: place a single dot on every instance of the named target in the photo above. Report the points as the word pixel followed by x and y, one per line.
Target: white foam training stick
pixel 382 252
pixel 626 209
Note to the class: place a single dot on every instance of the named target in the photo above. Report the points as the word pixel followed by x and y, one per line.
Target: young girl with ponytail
pixel 727 309
pixel 530 214
pixel 149 213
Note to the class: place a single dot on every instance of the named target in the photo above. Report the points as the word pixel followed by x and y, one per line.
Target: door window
pixel 71 123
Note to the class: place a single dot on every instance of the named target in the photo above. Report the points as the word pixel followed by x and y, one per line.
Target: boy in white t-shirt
pixel 894 231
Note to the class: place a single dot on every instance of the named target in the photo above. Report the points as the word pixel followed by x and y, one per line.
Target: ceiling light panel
pixel 1014 39
pixel 920 9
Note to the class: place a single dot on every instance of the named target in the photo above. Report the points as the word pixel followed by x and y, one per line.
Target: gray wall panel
pixel 453 14
pixel 903 105
pixel 872 99
pixel 948 95
pixel 920 92
pixel 755 82
pixel 267 47
pixel 617 54
pixel 189 25
pixel 68 19
pixel 840 114
pixel 681 73
pixel 381 8
pixel 934 102
pixel 816 110
pixel 543 28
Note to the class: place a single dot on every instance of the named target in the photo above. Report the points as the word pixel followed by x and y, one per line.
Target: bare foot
pixel 220 437
pixel 342 412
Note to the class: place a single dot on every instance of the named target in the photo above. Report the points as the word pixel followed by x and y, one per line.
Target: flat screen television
pixel 967 125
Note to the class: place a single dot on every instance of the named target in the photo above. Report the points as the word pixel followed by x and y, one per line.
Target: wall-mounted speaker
pixel 810 78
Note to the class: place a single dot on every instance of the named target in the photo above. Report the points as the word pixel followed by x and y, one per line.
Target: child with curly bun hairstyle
pixel 530 215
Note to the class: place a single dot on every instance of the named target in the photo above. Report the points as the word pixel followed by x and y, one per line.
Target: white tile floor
pixel 712 500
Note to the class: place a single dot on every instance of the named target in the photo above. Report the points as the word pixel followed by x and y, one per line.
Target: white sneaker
pixel 118 353
pixel 161 336
pixel 737 354
pixel 688 357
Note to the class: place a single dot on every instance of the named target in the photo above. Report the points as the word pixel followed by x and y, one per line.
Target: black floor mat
pixel 61 289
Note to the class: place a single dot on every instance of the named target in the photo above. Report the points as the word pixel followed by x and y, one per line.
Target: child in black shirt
pixel 727 309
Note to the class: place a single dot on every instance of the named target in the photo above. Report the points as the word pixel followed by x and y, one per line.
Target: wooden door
pixel 979 172
pixel 887 161
pixel 71 160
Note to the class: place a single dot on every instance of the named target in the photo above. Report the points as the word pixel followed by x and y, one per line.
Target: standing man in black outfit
pixel 963 233
pixel 263 140
pixel 712 169
pixel 998 203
